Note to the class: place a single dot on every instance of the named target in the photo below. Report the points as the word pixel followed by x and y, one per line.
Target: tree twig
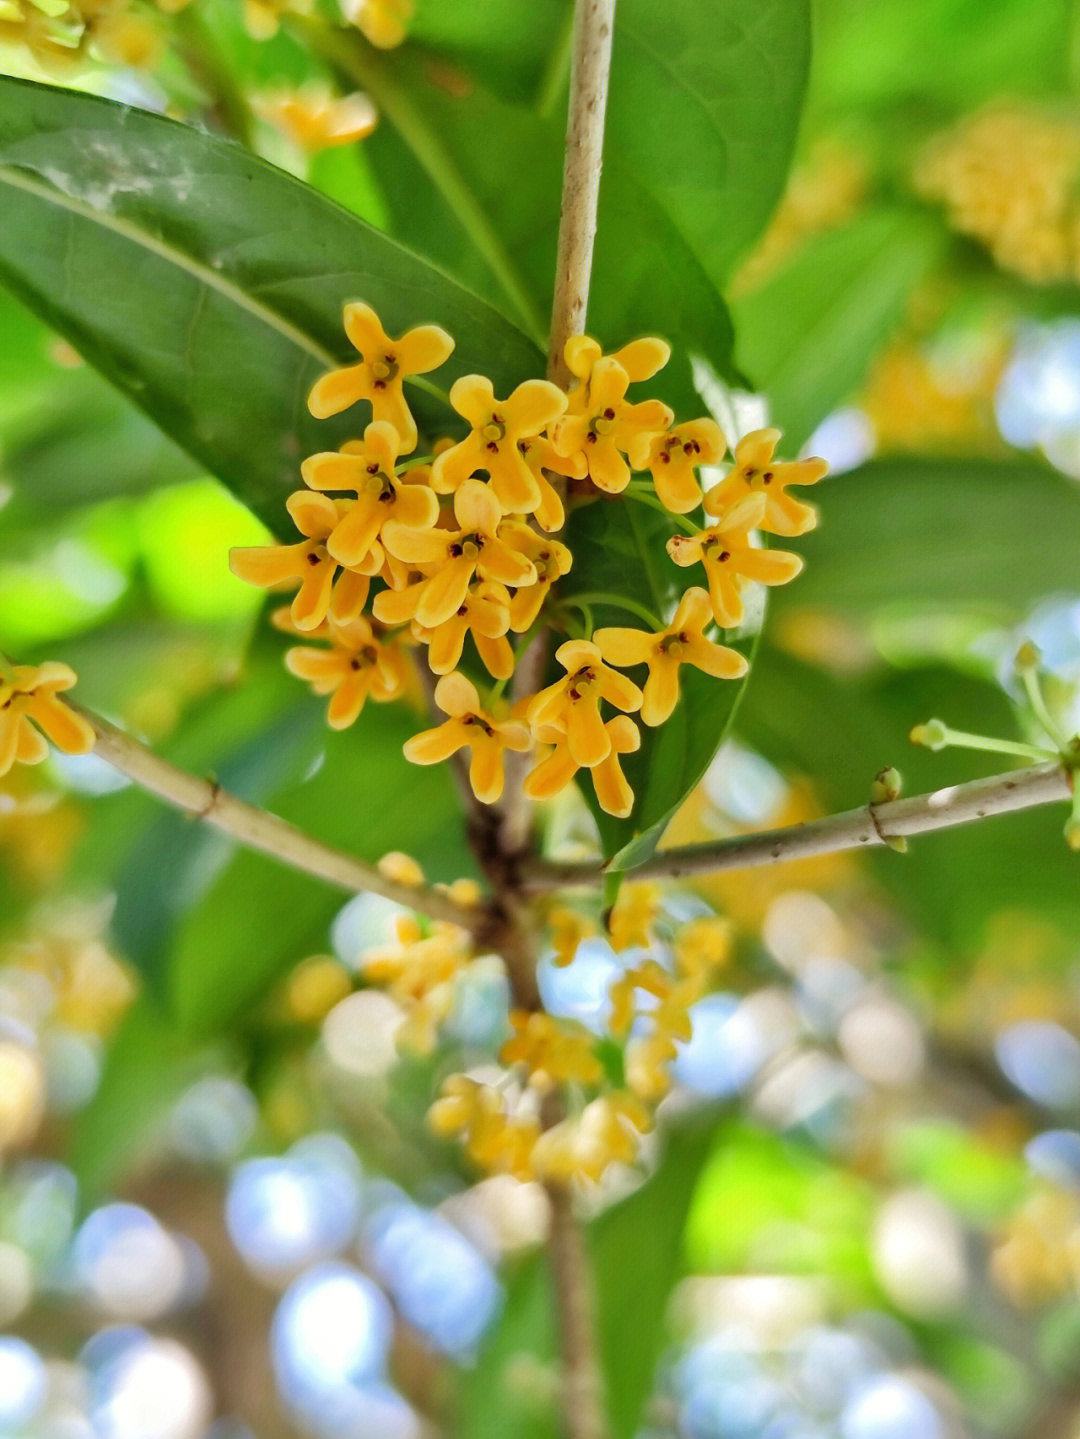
pixel 854 829
pixel 259 829
pixel 590 63
pixel 582 1376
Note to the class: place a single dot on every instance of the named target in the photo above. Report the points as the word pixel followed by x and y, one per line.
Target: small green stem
pixel 375 72
pixel 412 462
pixel 204 59
pixel 557 71
pixel 600 597
pixel 429 387
pixel 939 736
pixel 1039 708
pixel 643 496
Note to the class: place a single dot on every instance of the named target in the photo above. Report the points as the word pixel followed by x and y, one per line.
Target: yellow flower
pixel 454 556
pixel 382 22
pixel 551 559
pixel 729 559
pixel 572 704
pixel 683 642
pixel 701 946
pixel 607 1131
pixel 568 929
pixel 28 694
pixel 497 1138
pixel 498 426
pixel 672 458
pixel 650 977
pixel 310 562
pixel 641 359
pixel 631 921
pixel 367 471
pixel 552 1050
pixel 357 665
pixel 485 614
pixel 609 427
pixel 315 119
pixel 470 726
pixel 419 971
pixel 755 472
pixel 613 792
pixel 378 378
pixel 540 454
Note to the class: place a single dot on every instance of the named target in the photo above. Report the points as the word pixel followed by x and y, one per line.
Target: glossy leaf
pixel 808 335
pixel 704 104
pixel 645 277
pixel 618 548
pixel 207 285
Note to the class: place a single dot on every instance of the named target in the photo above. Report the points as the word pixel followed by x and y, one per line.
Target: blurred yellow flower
pixel 28 699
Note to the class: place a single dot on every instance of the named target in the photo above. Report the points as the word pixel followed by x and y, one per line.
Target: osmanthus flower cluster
pixel 503 1115
pixel 461 545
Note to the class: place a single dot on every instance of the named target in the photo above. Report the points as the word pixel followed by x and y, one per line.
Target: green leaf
pixel 618 548
pixel 703 108
pixel 259 917
pixel 209 286
pixel 993 535
pixel 635 1249
pixel 843 730
pixel 446 159
pixel 808 335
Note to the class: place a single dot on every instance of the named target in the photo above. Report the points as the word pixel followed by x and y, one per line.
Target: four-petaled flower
pixel 310 562
pixel 551 559
pixel 572 704
pixel 554 773
pixel 450 558
pixel 28 693
pixel 756 472
pixel 384 365
pixel 485 614
pixel 472 727
pixel 498 426
pixel 672 458
pixel 682 643
pixel 367 471
pixel 729 559
pixel 358 665
pixel 609 427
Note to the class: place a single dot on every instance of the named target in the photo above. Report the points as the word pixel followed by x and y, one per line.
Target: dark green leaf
pixel 207 285
pixel 808 335
pixel 645 277
pixel 618 549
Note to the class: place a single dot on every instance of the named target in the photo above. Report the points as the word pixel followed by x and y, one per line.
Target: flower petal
pixel 476 508
pixel 585 733
pixel 338 390
pixel 474 398
pixel 67 730
pixel 624 647
pixel 456 695
pixel 661 690
pixel 445 592
pixel 423 349
pixel 432 746
pixel 486 775
pixel 720 661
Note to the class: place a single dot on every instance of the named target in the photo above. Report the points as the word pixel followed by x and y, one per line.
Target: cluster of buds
pixel 396 550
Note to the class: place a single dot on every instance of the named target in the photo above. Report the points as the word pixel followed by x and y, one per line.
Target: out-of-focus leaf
pixel 208 285
pixel 645 276
pixel 949 51
pixel 932 533
pixel 703 107
pixel 148 1065
pixel 259 917
pixel 618 549
pixel 635 1248
pixel 507 47
pixel 842 731
pixel 809 333
pixel 767 1204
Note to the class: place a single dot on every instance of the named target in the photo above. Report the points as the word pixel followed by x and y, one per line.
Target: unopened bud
pixel 1028 657
pixel 886 786
pixel 1072 834
pixel 933 734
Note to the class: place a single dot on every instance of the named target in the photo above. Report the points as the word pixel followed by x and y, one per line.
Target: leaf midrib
pixel 206 275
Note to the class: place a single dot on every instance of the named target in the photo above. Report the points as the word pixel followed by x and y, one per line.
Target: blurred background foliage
pixel 220 1211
